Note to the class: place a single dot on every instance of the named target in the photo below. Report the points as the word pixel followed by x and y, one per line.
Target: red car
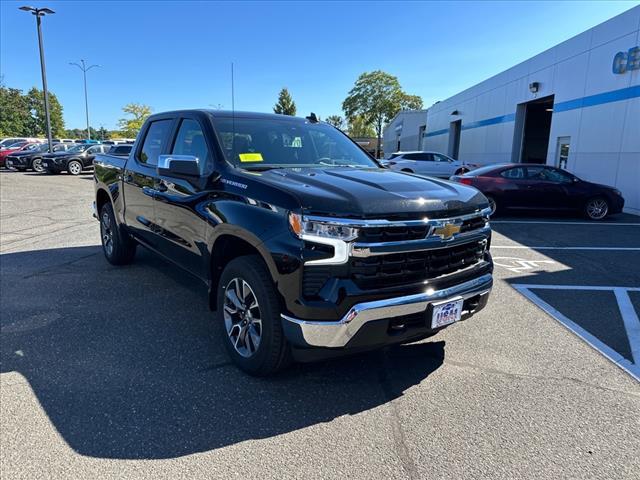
pixel 16 147
pixel 522 186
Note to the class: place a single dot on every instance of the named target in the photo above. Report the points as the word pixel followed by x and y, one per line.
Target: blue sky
pixel 177 54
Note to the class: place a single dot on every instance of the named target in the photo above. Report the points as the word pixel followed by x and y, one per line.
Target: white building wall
pixel 605 137
pixel 404 127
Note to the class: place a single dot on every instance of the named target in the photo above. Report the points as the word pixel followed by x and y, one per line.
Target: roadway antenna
pixel 233 117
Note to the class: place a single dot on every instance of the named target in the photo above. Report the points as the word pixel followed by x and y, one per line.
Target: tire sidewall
pixel 37 161
pixel 246 268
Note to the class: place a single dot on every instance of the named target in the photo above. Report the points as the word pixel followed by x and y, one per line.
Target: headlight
pixel 325 229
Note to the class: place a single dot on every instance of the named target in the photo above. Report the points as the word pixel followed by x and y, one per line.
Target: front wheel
pixel 118 247
pixel 36 165
pixel 74 167
pixel 596 208
pixel 248 314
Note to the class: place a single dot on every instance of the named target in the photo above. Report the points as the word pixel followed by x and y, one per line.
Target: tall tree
pixel 15 117
pixel 38 124
pixel 360 128
pixel 377 96
pixel 285 105
pixel 131 126
pixel 335 120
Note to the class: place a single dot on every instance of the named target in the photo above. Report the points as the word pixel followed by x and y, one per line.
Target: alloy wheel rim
pixel 74 168
pixel 597 209
pixel 107 234
pixel 242 317
pixel 37 165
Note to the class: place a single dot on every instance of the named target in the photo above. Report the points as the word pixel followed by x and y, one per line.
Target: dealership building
pixel 576 106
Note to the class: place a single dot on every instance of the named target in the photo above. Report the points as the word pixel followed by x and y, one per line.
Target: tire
pixel 36 165
pixel 461 171
pixel 253 336
pixel 596 208
pixel 493 205
pixel 117 246
pixel 74 167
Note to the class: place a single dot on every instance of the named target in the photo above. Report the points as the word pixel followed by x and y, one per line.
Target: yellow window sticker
pixel 250 157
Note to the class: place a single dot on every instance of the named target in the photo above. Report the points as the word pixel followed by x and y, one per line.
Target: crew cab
pixel 75 160
pixel 308 247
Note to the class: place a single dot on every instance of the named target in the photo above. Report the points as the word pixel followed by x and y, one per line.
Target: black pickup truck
pixel 308 247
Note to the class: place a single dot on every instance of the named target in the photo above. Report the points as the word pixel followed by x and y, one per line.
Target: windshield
pixel 78 148
pixel 258 143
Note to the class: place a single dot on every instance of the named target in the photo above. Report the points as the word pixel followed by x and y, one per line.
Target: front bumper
pixel 16 162
pixel 353 329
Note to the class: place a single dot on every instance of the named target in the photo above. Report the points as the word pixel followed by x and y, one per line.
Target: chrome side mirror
pixel 187 165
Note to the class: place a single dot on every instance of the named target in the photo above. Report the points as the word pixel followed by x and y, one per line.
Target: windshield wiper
pixel 260 168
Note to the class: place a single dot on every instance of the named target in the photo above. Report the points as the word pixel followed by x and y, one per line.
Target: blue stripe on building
pixel 590 101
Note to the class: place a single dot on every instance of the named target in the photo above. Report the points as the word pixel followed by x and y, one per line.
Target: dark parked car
pixel 308 247
pixel 75 160
pixel 120 150
pixel 542 187
pixel 32 159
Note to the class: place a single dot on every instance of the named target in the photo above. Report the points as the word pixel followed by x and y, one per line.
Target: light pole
pixel 85 69
pixel 41 12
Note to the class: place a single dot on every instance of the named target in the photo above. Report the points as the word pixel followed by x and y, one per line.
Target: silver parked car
pixel 433 164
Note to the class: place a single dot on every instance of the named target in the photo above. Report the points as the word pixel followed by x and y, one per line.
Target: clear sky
pixel 170 54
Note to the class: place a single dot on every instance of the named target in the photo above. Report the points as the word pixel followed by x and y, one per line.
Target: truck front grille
pixel 398 233
pixel 406 268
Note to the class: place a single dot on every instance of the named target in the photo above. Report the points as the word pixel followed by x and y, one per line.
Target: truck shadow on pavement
pixel 126 364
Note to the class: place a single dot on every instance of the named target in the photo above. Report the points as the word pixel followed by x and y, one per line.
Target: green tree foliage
pixel 14 113
pixel 38 127
pixel 130 127
pixel 335 120
pixel 285 105
pixel 360 128
pixel 377 96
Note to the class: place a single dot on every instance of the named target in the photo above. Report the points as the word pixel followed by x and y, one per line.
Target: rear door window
pixel 153 141
pixel 513 173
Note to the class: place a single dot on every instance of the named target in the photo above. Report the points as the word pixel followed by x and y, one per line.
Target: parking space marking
pixel 548 222
pixel 517 265
pixel 522 247
pixel 627 311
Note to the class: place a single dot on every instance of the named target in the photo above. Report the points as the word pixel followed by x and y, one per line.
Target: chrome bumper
pixel 337 334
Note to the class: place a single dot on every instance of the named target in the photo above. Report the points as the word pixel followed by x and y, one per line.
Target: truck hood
pixel 369 193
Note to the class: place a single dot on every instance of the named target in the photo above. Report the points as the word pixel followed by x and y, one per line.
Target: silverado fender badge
pixel 234 184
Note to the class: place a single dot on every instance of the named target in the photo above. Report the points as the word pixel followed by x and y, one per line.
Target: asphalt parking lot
pixel 115 372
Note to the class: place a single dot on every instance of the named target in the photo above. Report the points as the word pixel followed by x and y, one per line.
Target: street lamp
pixel 41 12
pixel 85 69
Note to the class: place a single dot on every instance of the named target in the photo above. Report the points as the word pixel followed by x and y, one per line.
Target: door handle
pixel 161 186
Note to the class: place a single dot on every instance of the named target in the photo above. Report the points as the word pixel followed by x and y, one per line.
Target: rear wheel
pixel 36 165
pixel 74 167
pixel 596 208
pixel 118 247
pixel 249 315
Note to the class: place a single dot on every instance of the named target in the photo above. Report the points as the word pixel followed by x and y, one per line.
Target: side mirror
pixel 186 165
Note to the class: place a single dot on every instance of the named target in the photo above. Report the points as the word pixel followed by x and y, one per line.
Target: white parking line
pixel 627 312
pixel 547 222
pixel 522 247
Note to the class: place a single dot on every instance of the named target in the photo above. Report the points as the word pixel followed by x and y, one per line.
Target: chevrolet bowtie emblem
pixel 446 231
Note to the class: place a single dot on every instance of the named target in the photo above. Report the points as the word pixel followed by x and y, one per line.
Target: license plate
pixel 445 313
pixel 45 164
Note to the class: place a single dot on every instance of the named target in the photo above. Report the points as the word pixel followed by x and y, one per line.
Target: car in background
pixel 14 148
pixel 32 158
pixel 535 187
pixel 7 142
pixel 75 160
pixel 63 140
pixel 122 150
pixel 433 164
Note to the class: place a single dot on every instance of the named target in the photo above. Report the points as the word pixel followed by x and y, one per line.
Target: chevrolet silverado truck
pixel 307 246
